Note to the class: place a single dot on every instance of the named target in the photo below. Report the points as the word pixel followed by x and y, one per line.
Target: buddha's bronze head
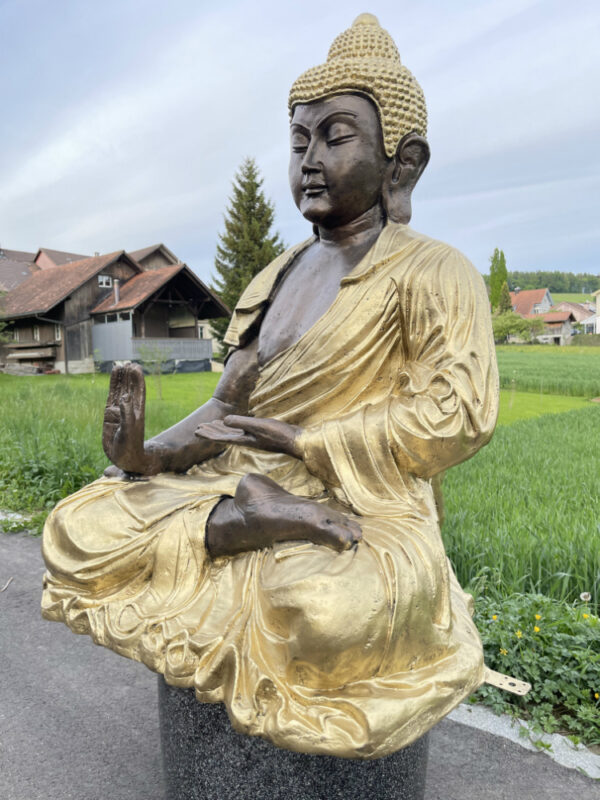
pixel 358 125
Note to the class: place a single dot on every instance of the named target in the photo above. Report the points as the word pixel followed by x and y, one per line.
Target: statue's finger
pixel 127 413
pixel 113 387
pixel 217 432
pixel 246 423
pixel 138 389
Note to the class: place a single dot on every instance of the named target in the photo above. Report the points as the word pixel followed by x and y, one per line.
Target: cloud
pixel 147 116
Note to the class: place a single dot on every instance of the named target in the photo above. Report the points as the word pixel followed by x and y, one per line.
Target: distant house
pixel 536 303
pixel 106 308
pixel 155 315
pixel 558 327
pixel 47 259
pixel 597 321
pixel 590 324
pixel 580 311
pixel 155 256
pixel 531 301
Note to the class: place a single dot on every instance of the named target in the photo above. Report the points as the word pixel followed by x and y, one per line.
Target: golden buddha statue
pixel 279 550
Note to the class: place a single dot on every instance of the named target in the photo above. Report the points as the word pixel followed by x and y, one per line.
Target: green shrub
pixel 587 340
pixel 555 647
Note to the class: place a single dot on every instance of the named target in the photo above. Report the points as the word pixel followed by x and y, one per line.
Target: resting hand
pixel 263 434
pixel 124 420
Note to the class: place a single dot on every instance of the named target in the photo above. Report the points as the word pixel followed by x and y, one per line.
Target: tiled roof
pixel 524 301
pixel 137 289
pixel 14 271
pixel 139 255
pixel 17 255
pixel 552 316
pixel 579 310
pixel 144 285
pixel 59 257
pixel 46 288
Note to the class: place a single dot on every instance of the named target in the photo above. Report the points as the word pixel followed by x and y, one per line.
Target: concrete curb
pixel 561 749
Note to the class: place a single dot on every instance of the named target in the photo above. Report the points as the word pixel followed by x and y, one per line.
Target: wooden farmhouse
pixel 72 314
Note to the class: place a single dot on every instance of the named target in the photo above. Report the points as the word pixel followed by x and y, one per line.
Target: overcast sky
pixel 123 122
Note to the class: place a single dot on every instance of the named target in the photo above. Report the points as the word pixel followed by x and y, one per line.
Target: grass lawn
pixel 574 297
pixel 526 405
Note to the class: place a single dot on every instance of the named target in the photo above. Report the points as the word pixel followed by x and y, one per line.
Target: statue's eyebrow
pixel 332 114
pixel 327 118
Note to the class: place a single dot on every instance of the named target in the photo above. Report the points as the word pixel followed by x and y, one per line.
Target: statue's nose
pixel 311 161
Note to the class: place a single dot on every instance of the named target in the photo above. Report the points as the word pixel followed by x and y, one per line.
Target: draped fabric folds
pixel 354 654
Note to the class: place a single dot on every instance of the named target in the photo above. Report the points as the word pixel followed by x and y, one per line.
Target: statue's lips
pixel 314 189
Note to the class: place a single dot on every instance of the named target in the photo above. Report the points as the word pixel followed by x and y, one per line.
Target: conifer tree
pixel 247 244
pixel 498 275
pixel 504 303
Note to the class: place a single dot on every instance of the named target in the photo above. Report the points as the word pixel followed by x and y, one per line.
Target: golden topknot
pixel 364 59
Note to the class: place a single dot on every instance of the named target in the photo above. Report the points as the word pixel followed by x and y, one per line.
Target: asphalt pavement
pixel 78 722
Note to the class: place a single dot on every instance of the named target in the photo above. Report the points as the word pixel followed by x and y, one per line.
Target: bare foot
pixel 262 513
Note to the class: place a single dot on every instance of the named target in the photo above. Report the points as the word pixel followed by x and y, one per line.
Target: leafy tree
pixel 504 302
pixel 537 326
pixel 247 245
pixel 498 276
pixel 511 324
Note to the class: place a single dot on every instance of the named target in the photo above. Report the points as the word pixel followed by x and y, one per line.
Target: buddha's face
pixel 337 163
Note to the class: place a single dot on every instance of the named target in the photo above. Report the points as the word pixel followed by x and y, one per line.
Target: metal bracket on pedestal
pixel 506 683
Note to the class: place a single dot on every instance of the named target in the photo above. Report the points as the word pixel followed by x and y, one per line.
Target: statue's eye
pixel 299 143
pixel 338 133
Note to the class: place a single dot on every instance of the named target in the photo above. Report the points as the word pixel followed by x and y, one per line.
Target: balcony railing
pixel 189 349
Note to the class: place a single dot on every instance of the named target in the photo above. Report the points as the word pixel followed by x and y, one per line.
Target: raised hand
pixel 263 434
pixel 124 419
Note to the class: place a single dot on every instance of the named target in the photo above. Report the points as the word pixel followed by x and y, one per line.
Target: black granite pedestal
pixel 205 759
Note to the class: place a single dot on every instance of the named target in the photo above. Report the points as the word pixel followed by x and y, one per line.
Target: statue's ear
pixel 403 172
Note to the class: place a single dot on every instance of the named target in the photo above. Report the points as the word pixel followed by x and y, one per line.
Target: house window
pixel 104 281
pixel 111 317
pixel 125 315
pixel 36 333
pixel 57 332
pixel 99 320
pixel 201 331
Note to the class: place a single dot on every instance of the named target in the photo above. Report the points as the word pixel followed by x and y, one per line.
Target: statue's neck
pixel 360 231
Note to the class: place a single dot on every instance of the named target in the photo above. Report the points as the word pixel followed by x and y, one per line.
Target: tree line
pixel 555 281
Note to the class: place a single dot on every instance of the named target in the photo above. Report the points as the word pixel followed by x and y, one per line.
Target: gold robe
pixel 352 654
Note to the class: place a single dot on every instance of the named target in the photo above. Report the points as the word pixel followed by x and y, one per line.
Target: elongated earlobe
pixel 404 170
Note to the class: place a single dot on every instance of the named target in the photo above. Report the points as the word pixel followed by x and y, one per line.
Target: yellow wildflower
pixel 504 652
pixel 597 696
pixel 536 629
pixel 586 616
pixel 518 634
pixel 494 617
pixel 538 616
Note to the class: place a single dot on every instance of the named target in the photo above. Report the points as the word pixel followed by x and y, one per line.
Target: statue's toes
pixel 340 533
